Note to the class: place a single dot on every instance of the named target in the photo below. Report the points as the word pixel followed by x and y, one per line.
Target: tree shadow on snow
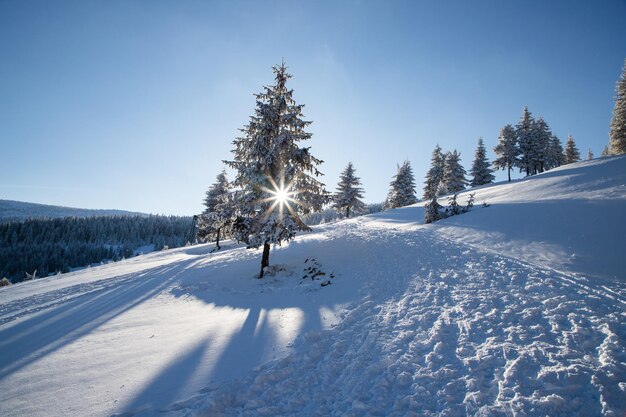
pixel 171 383
pixel 46 332
pixel 227 280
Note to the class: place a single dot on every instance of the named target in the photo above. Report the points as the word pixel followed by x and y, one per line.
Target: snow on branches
pixel 402 188
pixel 276 177
pixel 348 195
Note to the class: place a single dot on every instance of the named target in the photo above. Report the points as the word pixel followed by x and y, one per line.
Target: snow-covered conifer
pixel 453 205
pixel 470 202
pixel 453 173
pixel 525 132
pixel 506 150
pixel 348 195
pixel 481 168
pixel 589 154
pixel 402 188
pixel 571 151
pixel 434 174
pixel 540 145
pixel 554 155
pixel 432 210
pixel 606 151
pixel 275 176
pixel 617 133
pixel 219 214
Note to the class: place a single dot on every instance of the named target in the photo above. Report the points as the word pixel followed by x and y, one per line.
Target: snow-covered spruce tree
pixel 453 179
pixel 276 177
pixel 217 218
pixel 432 210
pixel 606 151
pixel 540 145
pixel 470 202
pixel 506 150
pixel 434 174
pixel 617 133
pixel 554 155
pixel 453 205
pixel 481 168
pixel 589 154
pixel 442 185
pixel 348 195
pixel 402 188
pixel 525 132
pixel 571 151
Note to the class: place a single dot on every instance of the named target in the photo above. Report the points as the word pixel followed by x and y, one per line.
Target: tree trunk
pixel 265 260
pixel 347 212
pixel 509 174
pixel 217 242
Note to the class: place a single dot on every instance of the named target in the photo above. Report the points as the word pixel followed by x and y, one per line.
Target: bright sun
pixel 281 196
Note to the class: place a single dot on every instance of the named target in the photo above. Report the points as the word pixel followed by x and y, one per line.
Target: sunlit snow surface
pixel 518 308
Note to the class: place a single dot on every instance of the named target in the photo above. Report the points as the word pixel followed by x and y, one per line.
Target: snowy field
pixel 516 309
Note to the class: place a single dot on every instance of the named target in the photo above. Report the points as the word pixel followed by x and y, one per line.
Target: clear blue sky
pixel 133 105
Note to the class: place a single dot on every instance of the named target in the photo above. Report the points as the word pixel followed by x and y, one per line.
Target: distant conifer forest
pixel 51 246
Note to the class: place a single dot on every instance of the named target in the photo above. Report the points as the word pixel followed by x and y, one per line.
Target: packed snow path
pixel 451 331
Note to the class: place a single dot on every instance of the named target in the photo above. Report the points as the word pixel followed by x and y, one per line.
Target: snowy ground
pixel 514 309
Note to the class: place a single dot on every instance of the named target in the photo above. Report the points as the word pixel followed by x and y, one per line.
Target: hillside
pixel 518 308
pixel 19 210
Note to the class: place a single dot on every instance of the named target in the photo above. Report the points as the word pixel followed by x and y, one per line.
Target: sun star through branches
pixel 281 196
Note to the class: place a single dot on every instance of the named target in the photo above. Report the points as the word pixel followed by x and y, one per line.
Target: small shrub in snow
pixel 4 282
pixel 313 270
pixel 433 210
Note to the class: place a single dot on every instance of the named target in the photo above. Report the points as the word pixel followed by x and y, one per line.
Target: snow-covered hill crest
pixel 570 218
pixel 475 315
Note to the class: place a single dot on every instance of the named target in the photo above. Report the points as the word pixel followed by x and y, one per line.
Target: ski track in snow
pixel 454 331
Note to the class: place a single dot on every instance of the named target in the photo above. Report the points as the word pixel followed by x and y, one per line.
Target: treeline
pixel 50 246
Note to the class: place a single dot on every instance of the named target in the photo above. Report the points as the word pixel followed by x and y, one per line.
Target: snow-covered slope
pixel 570 218
pixel 19 210
pixel 478 314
